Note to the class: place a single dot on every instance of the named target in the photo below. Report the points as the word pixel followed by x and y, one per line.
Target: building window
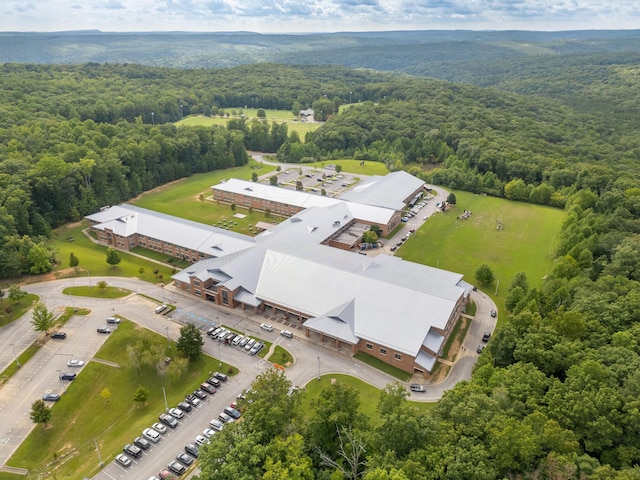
pixel 369 346
pixel 397 356
pixel 225 297
pixel 197 292
pixel 178 284
pixel 383 351
pixel 196 283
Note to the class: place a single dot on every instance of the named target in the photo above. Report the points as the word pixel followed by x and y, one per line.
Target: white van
pixel 161 308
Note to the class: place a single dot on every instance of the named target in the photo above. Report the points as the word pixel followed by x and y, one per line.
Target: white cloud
pixel 273 16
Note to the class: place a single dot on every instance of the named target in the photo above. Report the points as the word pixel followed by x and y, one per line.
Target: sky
pixel 306 16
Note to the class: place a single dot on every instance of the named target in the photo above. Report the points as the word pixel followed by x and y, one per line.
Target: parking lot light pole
pixel 164 394
pixel 219 356
pixel 98 450
pixel 13 347
pixel 318 368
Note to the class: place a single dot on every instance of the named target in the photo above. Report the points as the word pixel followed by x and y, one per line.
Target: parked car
pixel 158 427
pixel 161 308
pixel 184 459
pixel 214 381
pixel 225 417
pixel 192 449
pixel 244 341
pixel 51 397
pixel 59 335
pixel 75 363
pixel 215 333
pixel 232 412
pixel 286 333
pixel 151 434
pixel 237 340
pixel 176 413
pixel 480 348
pixel 222 335
pixel 208 433
pixel 208 388
pixel 168 420
pixel 249 344
pixel 68 376
pixel 256 348
pixel 176 467
pixel 486 337
pixel 216 424
pixel 184 406
pixel 142 442
pixel 416 387
pixel 220 376
pixel 200 394
pixel 200 440
pixel 266 326
pixel 165 475
pixel 113 320
pixel 123 460
pixel 132 450
pixel 105 330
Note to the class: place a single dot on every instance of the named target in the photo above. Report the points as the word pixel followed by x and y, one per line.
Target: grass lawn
pixel 82 413
pixel 281 356
pixel 526 243
pixel 182 199
pixel 95 291
pixel 353 166
pixel 93 258
pixel 369 395
pixel 161 257
pixel 10 311
pixel 279 116
pixel 383 366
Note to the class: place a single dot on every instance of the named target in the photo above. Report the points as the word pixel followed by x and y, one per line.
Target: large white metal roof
pixel 370 213
pixel 125 220
pixel 389 191
pixel 316 279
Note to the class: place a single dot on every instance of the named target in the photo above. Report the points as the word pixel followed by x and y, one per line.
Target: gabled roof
pixel 126 220
pixel 316 280
pixel 370 213
pixel 389 191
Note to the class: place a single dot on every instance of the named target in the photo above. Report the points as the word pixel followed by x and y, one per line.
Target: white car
pixel 159 427
pixel 201 440
pixel 75 363
pixel 208 432
pixel 176 413
pixel 266 326
pixel 286 333
pixel 216 424
pixel 151 434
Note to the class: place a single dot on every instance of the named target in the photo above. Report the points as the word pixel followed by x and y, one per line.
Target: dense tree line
pixel 55 171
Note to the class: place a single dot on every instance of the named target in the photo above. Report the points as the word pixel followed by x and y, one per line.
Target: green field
pixel 82 414
pixel 525 244
pixel 280 116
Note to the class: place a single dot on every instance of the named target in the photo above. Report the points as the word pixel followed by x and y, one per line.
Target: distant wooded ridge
pixel 425 52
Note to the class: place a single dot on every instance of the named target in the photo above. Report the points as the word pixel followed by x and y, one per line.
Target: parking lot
pixel 314 180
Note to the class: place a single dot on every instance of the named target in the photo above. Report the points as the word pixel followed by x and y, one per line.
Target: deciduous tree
pixel 113 257
pixel 43 319
pixel 40 413
pixel 484 274
pixel 190 342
